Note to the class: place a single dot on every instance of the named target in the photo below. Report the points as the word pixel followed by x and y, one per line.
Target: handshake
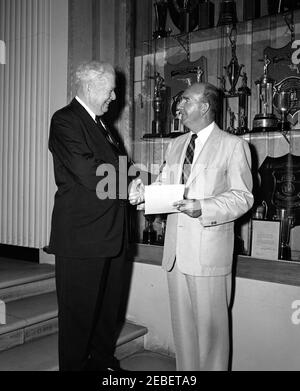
pixel 191 207
pixel 137 192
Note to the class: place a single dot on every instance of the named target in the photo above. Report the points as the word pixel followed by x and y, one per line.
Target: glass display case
pixel 168 58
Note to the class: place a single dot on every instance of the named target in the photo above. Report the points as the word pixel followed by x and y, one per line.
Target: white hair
pixel 90 71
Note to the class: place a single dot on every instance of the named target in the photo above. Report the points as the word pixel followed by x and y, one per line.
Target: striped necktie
pixel 189 156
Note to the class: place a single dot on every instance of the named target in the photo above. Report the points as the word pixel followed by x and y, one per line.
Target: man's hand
pixel 191 208
pixel 136 192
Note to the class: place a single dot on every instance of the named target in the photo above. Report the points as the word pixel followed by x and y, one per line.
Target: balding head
pixel 199 105
pixel 208 93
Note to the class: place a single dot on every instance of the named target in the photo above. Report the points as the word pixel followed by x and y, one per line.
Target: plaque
pixel 265 239
pixel 280 184
pixel 280 189
pixel 178 78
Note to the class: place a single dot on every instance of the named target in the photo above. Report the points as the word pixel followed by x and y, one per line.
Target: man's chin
pixel 184 121
pixel 102 111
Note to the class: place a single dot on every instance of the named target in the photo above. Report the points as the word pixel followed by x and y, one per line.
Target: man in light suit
pixel 216 170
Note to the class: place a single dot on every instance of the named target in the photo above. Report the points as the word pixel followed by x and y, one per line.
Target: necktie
pixel 106 132
pixel 189 156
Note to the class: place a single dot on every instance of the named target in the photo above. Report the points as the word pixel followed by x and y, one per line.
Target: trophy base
pixel 284 253
pixel 155 135
pixel 284 126
pixel 157 130
pixel 149 237
pixel 265 123
pixel 160 34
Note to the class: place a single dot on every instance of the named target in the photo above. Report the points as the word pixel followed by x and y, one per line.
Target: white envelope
pixel 159 199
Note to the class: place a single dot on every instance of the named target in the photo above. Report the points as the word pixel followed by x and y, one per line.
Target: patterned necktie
pixel 189 156
pixel 106 132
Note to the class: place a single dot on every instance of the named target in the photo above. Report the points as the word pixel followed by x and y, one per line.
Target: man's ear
pixel 204 108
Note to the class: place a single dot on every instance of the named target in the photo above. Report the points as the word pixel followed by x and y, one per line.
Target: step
pixel 41 354
pixel 149 361
pixel 19 279
pixel 28 319
pixel 131 340
pixel 38 355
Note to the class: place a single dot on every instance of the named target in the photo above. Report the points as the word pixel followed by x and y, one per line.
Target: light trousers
pixel 200 321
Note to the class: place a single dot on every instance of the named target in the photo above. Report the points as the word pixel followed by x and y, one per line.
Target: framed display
pixel 265 239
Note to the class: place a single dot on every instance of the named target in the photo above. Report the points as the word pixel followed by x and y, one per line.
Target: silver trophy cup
pixel 282 103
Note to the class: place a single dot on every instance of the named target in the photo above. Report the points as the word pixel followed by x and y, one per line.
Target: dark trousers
pixel 89 292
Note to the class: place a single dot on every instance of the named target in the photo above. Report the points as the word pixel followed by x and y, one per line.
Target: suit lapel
pixel 91 125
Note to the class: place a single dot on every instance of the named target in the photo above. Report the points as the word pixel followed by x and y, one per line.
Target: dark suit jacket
pixel 82 224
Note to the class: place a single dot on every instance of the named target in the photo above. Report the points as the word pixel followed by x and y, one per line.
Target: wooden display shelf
pixel 262 23
pixel 280 272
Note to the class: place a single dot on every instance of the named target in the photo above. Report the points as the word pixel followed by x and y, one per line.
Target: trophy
pixel 161 9
pixel 149 233
pixel 157 123
pixel 184 14
pixel 233 69
pixel 283 103
pixel 286 223
pixel 228 13
pixel 265 120
pixel 243 92
pixel 231 129
pixel 158 105
pixel 162 221
pixel 260 211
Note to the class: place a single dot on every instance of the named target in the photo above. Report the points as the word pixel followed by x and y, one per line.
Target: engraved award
pixel 265 120
pixel 161 9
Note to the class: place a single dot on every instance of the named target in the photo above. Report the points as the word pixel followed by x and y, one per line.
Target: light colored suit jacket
pixel 221 178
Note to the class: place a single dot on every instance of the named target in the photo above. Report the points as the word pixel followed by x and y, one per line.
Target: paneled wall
pixel 28 81
pixel 103 30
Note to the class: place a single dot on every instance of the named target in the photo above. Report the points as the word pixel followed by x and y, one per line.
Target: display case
pixel 176 58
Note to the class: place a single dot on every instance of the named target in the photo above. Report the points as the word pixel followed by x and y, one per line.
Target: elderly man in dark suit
pixel 88 233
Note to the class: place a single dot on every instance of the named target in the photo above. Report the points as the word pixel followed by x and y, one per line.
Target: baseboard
pixel 46 257
pixel 18 252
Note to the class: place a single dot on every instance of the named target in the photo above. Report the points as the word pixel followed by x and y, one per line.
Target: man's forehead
pixel 193 92
pixel 108 78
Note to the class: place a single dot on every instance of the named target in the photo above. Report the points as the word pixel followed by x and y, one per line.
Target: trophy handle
pixel 266 208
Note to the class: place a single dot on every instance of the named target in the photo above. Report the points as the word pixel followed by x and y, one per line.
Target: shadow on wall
pixel 116 107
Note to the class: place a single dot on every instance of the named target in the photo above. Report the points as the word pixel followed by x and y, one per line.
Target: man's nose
pixel 113 95
pixel 180 104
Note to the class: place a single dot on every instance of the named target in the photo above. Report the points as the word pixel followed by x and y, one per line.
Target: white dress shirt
pixel 201 140
pixel 91 113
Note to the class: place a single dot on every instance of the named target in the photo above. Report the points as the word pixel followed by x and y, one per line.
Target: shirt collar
pixel 204 133
pixel 91 113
